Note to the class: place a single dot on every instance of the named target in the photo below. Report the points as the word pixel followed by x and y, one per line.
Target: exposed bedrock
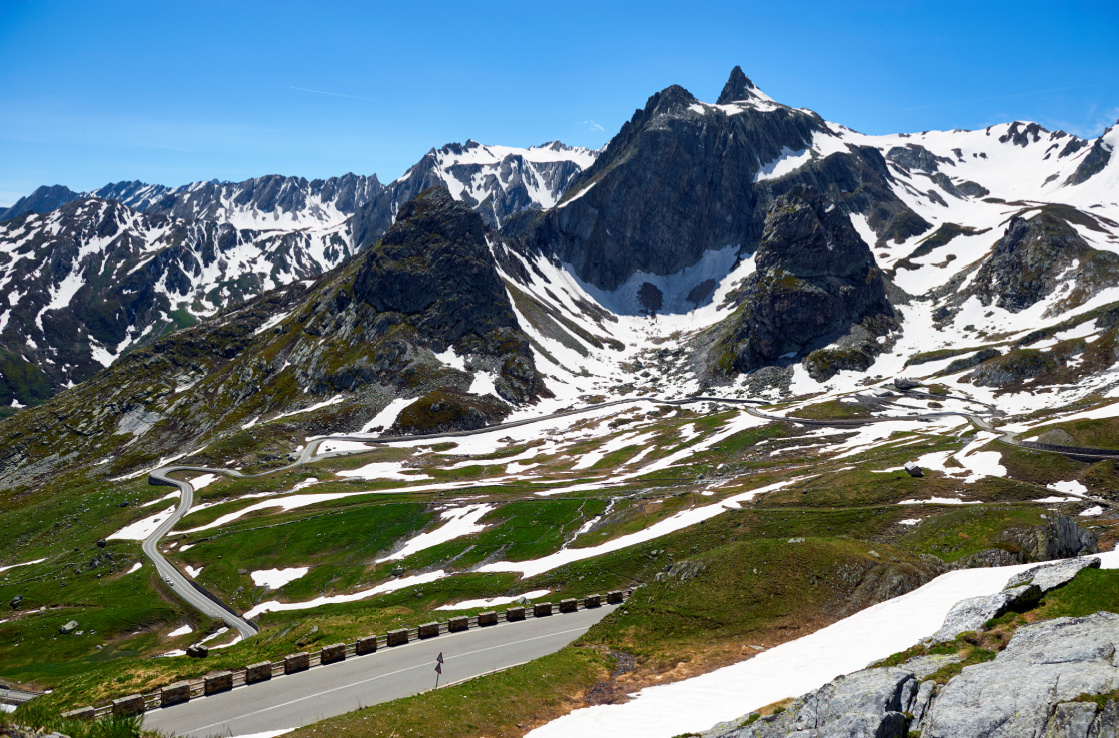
pixel 815 280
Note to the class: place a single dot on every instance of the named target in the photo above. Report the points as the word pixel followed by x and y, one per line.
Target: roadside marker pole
pixel 438 668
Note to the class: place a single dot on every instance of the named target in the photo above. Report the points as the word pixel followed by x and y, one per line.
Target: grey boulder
pixel 872 702
pixel 972 613
pixel 1051 576
pixel 1017 693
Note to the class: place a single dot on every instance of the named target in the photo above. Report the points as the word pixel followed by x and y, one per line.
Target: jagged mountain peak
pixel 43 200
pixel 738 87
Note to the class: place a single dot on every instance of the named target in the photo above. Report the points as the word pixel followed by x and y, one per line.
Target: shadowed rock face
pixel 1034 257
pixel 1093 163
pixel 433 272
pixel 681 178
pixel 815 278
pixel 435 265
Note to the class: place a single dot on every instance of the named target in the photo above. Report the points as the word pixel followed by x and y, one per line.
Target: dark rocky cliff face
pixel 1092 163
pixel 434 272
pixel 681 178
pixel 815 279
pixel 1034 257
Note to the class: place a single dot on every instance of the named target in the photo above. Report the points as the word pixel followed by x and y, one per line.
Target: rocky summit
pixel 705 421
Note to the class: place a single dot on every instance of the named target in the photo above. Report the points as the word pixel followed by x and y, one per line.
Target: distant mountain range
pixel 91 275
pixel 741 244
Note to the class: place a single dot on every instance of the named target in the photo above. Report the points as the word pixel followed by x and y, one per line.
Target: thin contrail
pixel 333 94
pixel 1009 97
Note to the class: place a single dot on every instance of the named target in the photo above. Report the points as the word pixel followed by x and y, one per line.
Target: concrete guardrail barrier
pixel 297 662
pixel 487 618
pixel 514 614
pixel 332 654
pixel 542 609
pixel 82 713
pixel 614 598
pixel 428 630
pixel 133 704
pixel 259 672
pixel 397 637
pixel 592 601
pixel 219 682
pixel 569 605
pixel 174 694
pixel 454 625
pixel 366 645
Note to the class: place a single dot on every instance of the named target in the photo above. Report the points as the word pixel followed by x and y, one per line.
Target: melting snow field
pixel 180 631
pixel 791 669
pixel 276 578
pixel 25 563
pixel 495 601
pixel 670 525
pixel 460 521
pixel 389 586
pixel 141 529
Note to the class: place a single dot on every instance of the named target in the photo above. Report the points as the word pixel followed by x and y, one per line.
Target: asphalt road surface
pixel 175 578
pixel 291 701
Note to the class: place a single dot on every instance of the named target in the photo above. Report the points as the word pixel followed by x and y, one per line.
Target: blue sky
pixel 167 92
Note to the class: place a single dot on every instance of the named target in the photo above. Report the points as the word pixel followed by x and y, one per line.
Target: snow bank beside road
pixel 791 669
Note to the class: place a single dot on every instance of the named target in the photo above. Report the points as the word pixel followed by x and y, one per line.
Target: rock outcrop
pixel 816 279
pixel 972 613
pixel 1016 694
pixel 1031 688
pixel 1037 255
pixel 1093 162
pixel 1035 687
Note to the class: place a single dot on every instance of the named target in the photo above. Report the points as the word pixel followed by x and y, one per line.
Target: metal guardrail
pixel 197 685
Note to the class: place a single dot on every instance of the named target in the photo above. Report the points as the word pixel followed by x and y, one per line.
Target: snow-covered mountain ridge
pixel 90 275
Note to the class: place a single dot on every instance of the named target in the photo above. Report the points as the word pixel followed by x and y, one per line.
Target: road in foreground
pixel 288 702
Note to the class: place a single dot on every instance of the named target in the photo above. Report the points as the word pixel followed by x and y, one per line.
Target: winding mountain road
pixel 210 605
